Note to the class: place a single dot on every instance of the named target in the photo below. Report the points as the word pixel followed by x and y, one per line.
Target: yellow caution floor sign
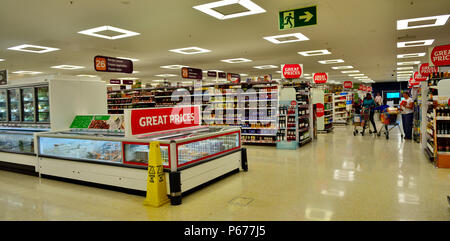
pixel 156 181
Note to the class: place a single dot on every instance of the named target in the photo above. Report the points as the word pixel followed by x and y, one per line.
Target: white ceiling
pixel 362 32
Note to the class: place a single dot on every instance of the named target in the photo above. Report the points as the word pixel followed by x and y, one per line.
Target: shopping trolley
pixel 389 118
pixel 361 120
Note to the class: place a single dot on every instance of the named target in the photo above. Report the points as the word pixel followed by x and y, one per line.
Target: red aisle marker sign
pixel 440 55
pixel 348 84
pixel 320 78
pixel 418 77
pixel 292 71
pixel 413 82
pixel 320 109
pixel 425 69
pixel 162 119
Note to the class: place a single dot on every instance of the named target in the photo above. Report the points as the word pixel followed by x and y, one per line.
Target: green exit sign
pixel 299 17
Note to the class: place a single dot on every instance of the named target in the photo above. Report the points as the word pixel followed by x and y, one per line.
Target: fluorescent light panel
pixel 208 8
pixel 128 78
pixel 331 61
pixel 405 68
pixel 69 67
pixel 166 75
pixel 409 63
pixel 405 23
pixel 415 43
pixel 174 66
pixel 350 71
pixel 2 60
pixel 342 67
pixel 87 75
pixel 356 75
pixel 405 72
pixel 266 67
pixel 122 32
pixel 134 60
pixel 26 72
pixel 414 55
pixel 314 52
pixel 275 39
pixel 237 60
pixel 190 50
pixel 24 47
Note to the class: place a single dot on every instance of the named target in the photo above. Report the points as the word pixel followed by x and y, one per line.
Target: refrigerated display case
pixel 190 157
pixel 43 104
pixel 14 105
pixel 28 100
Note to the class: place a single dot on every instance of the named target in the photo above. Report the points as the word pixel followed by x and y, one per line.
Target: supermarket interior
pixel 225 110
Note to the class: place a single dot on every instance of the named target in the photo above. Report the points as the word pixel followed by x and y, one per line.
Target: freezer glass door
pixel 28 105
pixel 43 104
pixel 14 105
pixel 3 106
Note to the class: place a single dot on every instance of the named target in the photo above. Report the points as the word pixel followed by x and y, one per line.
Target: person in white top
pixel 379 99
pixel 407 108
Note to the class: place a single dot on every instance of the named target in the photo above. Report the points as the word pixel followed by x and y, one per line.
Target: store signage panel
pixel 418 77
pixel 425 69
pixel 292 71
pixel 234 78
pixel 348 84
pixel 320 110
pixel 191 73
pixel 99 122
pixel 144 121
pixel 440 55
pixel 110 64
pixel 127 82
pixel 299 17
pixel 413 82
pixel 222 75
pixel 115 81
pixel 211 74
pixel 3 77
pixel 320 78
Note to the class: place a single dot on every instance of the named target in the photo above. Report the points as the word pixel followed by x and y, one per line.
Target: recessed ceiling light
pixel 279 72
pixel 342 67
pixel 331 61
pixel 361 77
pixel 135 72
pixel 403 56
pixel 403 75
pixel 190 50
pixel 208 8
pixel 174 66
pixel 158 80
pixel 405 68
pixel 2 60
pixel 405 72
pixel 87 75
pixel 356 75
pixel 128 78
pixel 408 63
pixel 134 60
pixel 415 43
pixel 413 22
pixel 70 67
pixel 213 71
pixel 266 67
pixel 350 71
pixel 243 74
pixel 33 48
pixel 314 52
pixel 26 72
pixel 237 60
pixel 286 38
pixel 166 75
pixel 306 75
pixel 122 32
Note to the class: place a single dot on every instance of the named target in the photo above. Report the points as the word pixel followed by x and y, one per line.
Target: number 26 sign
pixel 110 64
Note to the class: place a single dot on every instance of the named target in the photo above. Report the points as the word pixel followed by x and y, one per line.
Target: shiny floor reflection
pixel 337 177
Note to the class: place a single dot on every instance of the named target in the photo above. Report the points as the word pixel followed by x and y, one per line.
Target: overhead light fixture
pixel 186 82
pixel 122 33
pixel 331 61
pixel 405 68
pixel 424 22
pixel 209 8
pixel 408 63
pixel 404 56
pixel 243 75
pixel 236 60
pixel 356 75
pixel 360 77
pixel 26 72
pixel 342 67
pixel 266 67
pixel 314 52
pixel 135 72
pixel 206 71
pixel 166 75
pixel 69 67
pixel 134 60
pixel 2 60
pixel 128 78
pixel 87 75
pixel 307 75
pixel 415 43
pixel 174 66
pixel 405 72
pixel 158 80
pixel 350 71
pixel 33 48
pixel 286 38
pixel 190 50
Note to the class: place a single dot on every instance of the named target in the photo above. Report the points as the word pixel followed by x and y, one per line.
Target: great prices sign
pixel 142 121
pixel 418 77
pixel 320 110
pixel 348 84
pixel 425 69
pixel 440 55
pixel 320 78
pixel 292 71
pixel 413 82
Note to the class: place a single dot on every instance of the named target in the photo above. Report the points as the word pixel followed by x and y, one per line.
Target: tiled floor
pixel 337 177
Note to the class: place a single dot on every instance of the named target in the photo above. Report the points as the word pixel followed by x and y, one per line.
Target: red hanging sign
pixel 144 121
pixel 425 69
pixel 413 82
pixel 292 71
pixel 320 110
pixel 348 84
pixel 418 77
pixel 440 55
pixel 320 78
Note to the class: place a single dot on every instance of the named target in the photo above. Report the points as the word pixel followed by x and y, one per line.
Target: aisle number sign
pixel 299 17
pixel 110 64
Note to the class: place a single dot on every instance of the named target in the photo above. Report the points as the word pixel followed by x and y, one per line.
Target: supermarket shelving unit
pixel 340 113
pixel 325 122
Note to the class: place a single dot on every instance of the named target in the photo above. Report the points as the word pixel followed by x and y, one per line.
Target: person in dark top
pixel 369 103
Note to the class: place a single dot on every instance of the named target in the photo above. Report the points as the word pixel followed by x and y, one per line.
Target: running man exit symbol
pixel 298 17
